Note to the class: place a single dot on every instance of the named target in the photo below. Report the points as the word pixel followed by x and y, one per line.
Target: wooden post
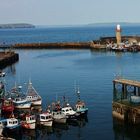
pixel 114 91
pixel 134 90
pixel 138 91
pixel 125 91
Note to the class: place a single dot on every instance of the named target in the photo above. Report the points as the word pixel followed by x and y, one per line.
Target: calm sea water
pixel 66 34
pixel 54 72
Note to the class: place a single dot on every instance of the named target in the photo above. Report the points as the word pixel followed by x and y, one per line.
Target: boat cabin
pixel 57 113
pixel 68 110
pixel 30 118
pixel 80 105
pixel 45 116
pixel 7 102
pixel 34 97
pixel 12 122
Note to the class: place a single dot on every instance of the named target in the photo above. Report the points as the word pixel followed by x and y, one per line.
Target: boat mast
pixel 78 94
pixel 77 91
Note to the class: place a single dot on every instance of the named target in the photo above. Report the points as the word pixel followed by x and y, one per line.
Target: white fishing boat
pixel 45 119
pixel 29 122
pixel 21 103
pixel 69 112
pixel 19 99
pixel 58 115
pixel 12 123
pixel 32 95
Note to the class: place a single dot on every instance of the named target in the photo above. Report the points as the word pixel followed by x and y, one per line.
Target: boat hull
pixel 29 125
pixel 36 103
pixel 16 127
pixel 7 109
pixel 23 106
pixel 46 123
pixel 60 120
pixel 82 112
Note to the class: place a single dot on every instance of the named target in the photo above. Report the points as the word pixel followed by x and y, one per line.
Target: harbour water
pixel 53 74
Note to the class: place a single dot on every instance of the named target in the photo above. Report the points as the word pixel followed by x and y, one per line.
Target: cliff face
pixel 20 25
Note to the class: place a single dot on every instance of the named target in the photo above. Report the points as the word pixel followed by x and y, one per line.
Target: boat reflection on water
pixel 44 132
pixel 125 131
pixel 81 122
pixel 15 133
pixel 29 134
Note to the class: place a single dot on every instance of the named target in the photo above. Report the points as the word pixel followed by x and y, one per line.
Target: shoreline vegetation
pixel 16 25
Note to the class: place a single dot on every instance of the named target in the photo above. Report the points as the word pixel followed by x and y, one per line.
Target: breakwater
pixel 129 43
pixel 70 45
pixel 60 45
pixel 8 58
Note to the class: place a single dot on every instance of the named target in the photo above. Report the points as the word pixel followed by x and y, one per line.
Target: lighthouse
pixel 118 34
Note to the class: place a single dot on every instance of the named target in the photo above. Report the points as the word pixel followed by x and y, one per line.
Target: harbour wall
pixel 70 45
pixel 94 44
pixel 62 45
pixel 8 58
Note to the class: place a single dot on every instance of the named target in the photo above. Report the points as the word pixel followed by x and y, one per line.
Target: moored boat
pixel 80 106
pixel 7 105
pixel 21 103
pixel 69 112
pixel 29 122
pixel 45 119
pixel 19 99
pixel 58 115
pixel 32 95
pixel 12 123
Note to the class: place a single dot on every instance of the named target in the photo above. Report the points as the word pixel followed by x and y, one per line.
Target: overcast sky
pixel 69 12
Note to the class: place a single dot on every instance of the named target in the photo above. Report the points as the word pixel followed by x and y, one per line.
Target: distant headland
pixel 16 25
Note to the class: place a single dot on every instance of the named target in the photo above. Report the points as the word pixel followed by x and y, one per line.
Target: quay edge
pixel 8 58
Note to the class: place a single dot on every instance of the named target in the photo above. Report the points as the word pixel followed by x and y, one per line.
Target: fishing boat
pixel 80 106
pixel 29 122
pixel 69 112
pixel 19 99
pixel 21 103
pixel 45 119
pixel 57 114
pixel 12 124
pixel 32 95
pixel 7 105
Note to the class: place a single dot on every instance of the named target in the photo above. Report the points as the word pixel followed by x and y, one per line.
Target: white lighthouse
pixel 118 34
